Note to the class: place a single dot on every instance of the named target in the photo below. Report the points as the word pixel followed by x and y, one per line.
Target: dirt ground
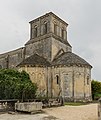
pixel 84 112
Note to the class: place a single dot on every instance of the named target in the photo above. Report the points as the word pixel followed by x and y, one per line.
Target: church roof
pixel 35 60
pixel 69 58
pixel 38 39
pixel 66 58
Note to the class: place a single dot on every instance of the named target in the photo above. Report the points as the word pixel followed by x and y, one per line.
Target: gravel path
pixel 84 112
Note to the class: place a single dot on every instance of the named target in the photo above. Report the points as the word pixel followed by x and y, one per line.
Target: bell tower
pixel 48 36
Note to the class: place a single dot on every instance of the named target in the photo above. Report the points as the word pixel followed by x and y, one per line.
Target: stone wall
pixel 41 76
pixel 73 83
pixel 70 82
pixel 42 48
pixel 57 46
pixel 50 19
pixel 12 59
pixel 60 25
pixel 39 23
pixel 44 43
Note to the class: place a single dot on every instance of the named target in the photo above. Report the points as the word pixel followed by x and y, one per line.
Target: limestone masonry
pixel 49 60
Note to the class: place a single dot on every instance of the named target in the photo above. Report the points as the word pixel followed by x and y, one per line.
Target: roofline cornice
pixel 47 36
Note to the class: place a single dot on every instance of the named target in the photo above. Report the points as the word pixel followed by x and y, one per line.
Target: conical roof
pixel 69 58
pixel 35 60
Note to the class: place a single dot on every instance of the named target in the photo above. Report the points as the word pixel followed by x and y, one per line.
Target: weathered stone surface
pixel 12 59
pixel 28 106
pixel 49 60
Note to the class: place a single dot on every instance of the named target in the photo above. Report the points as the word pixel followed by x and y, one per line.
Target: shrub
pixel 96 89
pixel 16 85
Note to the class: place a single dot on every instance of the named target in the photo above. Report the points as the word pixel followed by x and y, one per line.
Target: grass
pixel 75 103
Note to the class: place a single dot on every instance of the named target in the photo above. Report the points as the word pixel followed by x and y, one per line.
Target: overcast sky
pixel 83 17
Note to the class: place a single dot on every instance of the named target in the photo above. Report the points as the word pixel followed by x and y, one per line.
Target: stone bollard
pixel 99 109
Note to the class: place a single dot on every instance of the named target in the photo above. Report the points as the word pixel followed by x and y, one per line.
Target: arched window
pixel 57 79
pixel 45 27
pixel 55 29
pixel 87 80
pixel 45 30
pixel 62 33
pixel 35 31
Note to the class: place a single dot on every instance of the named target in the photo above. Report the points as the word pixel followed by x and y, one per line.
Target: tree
pixel 96 89
pixel 16 85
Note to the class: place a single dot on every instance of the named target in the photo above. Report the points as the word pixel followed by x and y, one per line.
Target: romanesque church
pixel 50 62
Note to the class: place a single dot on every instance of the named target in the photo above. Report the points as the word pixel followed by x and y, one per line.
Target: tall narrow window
pixel 87 80
pixel 45 30
pixel 55 29
pixel 57 79
pixel 35 32
pixel 45 27
pixel 62 33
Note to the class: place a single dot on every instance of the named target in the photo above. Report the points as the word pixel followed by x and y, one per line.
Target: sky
pixel 83 17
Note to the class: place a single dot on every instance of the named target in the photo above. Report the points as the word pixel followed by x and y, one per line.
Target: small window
pixel 35 32
pixel 87 80
pixel 55 29
pixel 45 28
pixel 62 33
pixel 57 79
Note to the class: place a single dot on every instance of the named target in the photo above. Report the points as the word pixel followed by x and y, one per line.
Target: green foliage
pixel 16 85
pixel 75 103
pixel 96 89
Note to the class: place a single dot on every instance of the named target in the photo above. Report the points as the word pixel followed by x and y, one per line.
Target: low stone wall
pixel 28 106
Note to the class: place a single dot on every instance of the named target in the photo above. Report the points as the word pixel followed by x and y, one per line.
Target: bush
pixel 96 89
pixel 97 96
pixel 16 85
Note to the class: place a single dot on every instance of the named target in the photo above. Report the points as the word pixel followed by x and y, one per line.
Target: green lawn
pixel 75 103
